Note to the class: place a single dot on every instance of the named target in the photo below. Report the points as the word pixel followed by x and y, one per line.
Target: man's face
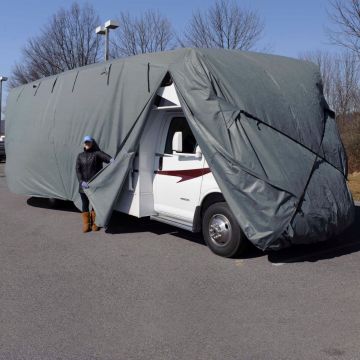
pixel 88 145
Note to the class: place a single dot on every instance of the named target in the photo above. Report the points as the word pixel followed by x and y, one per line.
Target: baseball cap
pixel 88 138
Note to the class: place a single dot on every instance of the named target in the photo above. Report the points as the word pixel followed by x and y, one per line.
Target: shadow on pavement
pixel 125 224
pixel 52 204
pixel 346 243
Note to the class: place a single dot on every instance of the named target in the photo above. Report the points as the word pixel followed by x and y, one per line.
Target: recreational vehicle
pixel 240 146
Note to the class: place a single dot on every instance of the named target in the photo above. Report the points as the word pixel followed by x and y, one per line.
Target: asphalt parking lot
pixel 145 290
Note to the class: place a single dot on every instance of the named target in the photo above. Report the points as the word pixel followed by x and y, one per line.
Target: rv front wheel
pixel 221 231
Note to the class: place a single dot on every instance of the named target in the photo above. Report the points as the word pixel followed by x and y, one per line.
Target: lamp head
pixel 111 24
pixel 100 30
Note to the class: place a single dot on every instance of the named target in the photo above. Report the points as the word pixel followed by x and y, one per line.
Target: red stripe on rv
pixel 185 174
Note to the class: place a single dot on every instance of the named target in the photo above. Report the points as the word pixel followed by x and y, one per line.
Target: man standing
pixel 88 164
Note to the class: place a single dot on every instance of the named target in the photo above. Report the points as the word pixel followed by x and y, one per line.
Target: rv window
pixel 189 143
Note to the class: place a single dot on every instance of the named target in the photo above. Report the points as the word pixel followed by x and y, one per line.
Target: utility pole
pixel 2 79
pixel 105 30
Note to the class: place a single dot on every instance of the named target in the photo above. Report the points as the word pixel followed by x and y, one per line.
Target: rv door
pixel 178 176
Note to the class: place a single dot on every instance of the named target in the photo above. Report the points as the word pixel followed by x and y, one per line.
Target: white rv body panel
pixel 169 93
pixel 209 184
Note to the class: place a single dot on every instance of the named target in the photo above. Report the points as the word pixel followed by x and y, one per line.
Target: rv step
pixel 171 221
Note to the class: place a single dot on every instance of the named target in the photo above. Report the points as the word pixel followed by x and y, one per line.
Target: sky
pixel 291 26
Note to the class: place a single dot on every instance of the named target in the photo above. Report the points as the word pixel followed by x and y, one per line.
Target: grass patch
pixel 354 183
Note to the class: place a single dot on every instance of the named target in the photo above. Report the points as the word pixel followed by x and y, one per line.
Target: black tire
pixel 222 232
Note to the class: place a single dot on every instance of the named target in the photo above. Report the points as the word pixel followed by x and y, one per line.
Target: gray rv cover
pixel 261 121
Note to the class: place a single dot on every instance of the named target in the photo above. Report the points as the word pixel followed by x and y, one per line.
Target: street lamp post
pixel 2 78
pixel 105 30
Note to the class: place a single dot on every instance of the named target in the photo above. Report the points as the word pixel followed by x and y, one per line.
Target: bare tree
pixel 326 63
pixel 346 84
pixel 345 15
pixel 150 32
pixel 224 25
pixel 340 74
pixel 66 42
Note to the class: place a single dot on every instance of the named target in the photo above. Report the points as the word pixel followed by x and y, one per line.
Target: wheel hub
pixel 220 230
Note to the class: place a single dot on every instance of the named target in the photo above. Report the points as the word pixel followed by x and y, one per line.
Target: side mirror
pixel 198 152
pixel 177 143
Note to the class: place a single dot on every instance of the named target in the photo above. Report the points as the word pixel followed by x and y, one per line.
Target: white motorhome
pixel 171 182
pixel 261 121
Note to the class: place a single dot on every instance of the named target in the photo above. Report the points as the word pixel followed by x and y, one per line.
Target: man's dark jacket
pixel 89 163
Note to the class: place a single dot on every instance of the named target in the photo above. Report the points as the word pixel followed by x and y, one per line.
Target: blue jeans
pixel 85 202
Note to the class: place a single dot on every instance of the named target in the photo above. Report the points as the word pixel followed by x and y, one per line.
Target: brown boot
pixel 93 217
pixel 86 222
